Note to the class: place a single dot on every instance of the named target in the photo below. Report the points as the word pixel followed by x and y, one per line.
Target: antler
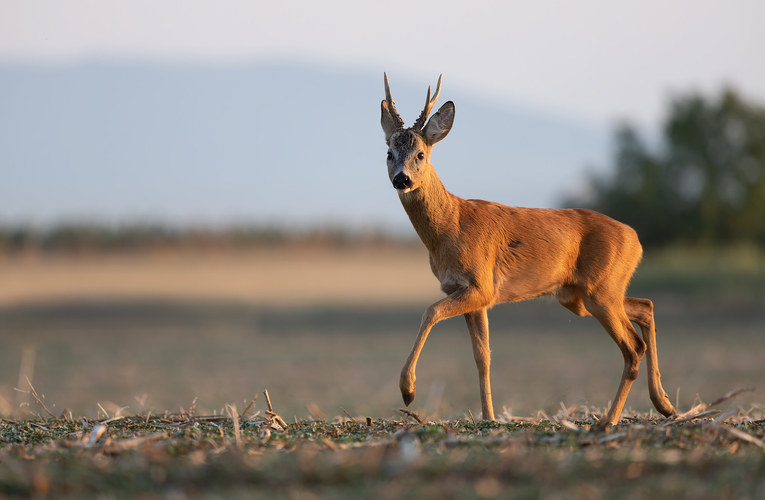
pixel 428 106
pixel 391 105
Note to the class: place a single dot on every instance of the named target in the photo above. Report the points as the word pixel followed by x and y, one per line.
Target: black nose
pixel 402 181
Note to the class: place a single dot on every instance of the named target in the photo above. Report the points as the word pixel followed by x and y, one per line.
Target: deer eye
pixel 390 155
pixel 420 155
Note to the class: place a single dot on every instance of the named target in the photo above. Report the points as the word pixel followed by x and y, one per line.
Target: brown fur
pixel 485 253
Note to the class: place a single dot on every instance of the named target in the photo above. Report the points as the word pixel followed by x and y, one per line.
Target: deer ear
pixel 440 124
pixel 389 125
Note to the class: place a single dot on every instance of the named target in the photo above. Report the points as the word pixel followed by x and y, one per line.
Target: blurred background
pixel 194 204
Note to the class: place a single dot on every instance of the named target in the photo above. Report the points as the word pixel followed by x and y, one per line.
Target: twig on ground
pixel 725 416
pixel 507 415
pixel 268 400
pixel 567 424
pixel 249 406
pixel 272 416
pixel 231 409
pixel 411 414
pixel 95 435
pixel 113 419
pixel 314 411
pixel 116 446
pixel 699 410
pixel 688 419
pixel 701 407
pixel 471 416
pixel 612 437
pixel 349 415
pixel 741 435
pixel 102 409
pixel 37 398
pixel 210 418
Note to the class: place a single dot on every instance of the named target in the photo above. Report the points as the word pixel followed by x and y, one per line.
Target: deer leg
pixel 641 312
pixel 478 326
pixel 462 301
pixel 615 321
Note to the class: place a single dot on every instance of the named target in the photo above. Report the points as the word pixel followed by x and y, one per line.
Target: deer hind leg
pixel 478 326
pixel 613 318
pixel 641 312
pixel 570 298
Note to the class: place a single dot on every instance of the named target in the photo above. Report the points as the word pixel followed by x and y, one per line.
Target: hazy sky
pixel 597 61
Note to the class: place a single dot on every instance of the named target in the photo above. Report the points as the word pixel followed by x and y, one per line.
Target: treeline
pixel 102 237
pixel 703 184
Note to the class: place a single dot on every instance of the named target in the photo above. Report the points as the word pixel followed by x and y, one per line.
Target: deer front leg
pixel 463 301
pixel 478 326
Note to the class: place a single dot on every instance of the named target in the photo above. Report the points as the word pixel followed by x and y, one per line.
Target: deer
pixel 485 253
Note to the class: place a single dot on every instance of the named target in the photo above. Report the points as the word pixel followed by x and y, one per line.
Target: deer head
pixel 409 149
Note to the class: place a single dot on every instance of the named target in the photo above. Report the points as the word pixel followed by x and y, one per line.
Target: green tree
pixel 704 184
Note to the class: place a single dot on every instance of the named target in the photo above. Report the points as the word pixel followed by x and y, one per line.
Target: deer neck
pixel 432 210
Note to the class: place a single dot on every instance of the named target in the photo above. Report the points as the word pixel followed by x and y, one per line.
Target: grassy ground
pixel 184 455
pixel 161 339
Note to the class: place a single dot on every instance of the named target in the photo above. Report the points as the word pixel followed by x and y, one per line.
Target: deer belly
pixel 523 288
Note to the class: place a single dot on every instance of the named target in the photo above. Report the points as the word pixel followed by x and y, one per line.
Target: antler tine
pixel 429 102
pixel 391 104
pixel 438 91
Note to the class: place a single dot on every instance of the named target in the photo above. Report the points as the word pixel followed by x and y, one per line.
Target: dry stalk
pixel 37 398
pixel 411 414
pixel 99 430
pixel 113 419
pixel 741 435
pixel 699 409
pixel 726 397
pixel 567 424
pixel 249 405
pixel 349 415
pixel 725 416
pixel 272 416
pixel 315 411
pixel 231 409
pixel 102 409
pixel 268 400
pixel 127 444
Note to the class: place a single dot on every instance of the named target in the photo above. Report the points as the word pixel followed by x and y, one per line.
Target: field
pixel 155 341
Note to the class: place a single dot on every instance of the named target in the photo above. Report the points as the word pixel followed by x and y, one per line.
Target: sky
pixel 570 70
pixel 598 61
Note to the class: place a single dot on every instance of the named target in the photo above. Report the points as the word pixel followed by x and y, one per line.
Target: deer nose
pixel 402 181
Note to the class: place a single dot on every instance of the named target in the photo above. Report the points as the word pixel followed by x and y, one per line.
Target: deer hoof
pixel 408 397
pixel 664 406
pixel 601 425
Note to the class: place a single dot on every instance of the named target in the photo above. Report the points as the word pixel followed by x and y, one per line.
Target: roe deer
pixel 485 253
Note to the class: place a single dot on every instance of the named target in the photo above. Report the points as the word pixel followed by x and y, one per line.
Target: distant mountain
pixel 266 143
